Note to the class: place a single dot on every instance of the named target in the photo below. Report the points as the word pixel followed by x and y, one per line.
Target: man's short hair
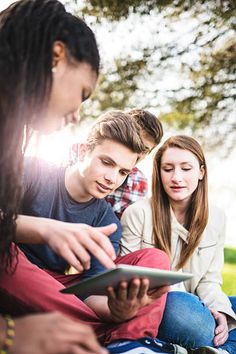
pixel 116 126
pixel 148 123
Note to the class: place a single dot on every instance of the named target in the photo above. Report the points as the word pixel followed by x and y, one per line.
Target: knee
pixel 185 312
pixel 154 258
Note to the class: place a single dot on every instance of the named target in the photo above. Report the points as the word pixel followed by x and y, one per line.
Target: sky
pixel 4 4
pixel 222 172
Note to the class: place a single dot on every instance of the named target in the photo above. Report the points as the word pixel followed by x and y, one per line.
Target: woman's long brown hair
pixel 197 213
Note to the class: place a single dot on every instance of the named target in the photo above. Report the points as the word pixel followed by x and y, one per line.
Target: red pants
pixel 33 290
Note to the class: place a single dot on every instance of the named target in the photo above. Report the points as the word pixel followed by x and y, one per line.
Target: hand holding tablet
pixel 98 284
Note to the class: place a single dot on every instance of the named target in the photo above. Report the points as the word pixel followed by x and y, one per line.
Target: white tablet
pixel 98 284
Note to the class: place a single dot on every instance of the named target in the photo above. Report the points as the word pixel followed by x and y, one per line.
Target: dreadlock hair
pixel 116 126
pixel 148 123
pixel 197 212
pixel 28 30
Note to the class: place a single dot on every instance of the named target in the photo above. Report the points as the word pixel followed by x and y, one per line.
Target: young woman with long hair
pixel 178 220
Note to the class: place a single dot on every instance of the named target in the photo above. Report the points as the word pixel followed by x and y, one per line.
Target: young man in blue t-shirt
pixel 76 194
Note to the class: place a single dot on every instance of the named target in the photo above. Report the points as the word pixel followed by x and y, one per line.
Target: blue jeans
pixel 189 323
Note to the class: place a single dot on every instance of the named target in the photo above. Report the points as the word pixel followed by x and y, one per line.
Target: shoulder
pixel 37 172
pixel 137 172
pixel 135 176
pixel 217 218
pixel 215 229
pixel 216 213
pixel 104 212
pixel 35 165
pixel 138 210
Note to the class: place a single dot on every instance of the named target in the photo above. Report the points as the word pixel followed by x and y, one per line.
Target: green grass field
pixel 229 271
pixel 229 279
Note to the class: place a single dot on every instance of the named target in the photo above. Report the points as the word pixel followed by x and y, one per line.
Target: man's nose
pixel 111 176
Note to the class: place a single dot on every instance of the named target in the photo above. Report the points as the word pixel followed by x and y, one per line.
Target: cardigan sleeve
pixel 209 287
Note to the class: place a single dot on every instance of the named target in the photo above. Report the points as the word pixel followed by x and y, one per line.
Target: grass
pixel 229 271
pixel 230 255
pixel 229 279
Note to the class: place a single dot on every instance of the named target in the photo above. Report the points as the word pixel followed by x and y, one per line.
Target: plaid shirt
pixel 133 188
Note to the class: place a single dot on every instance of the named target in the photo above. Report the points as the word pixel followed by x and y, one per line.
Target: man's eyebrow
pixel 108 158
pixel 114 163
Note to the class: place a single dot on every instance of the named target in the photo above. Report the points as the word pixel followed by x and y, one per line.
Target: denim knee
pixel 186 321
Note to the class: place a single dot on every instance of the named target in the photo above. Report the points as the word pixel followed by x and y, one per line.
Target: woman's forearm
pixel 29 229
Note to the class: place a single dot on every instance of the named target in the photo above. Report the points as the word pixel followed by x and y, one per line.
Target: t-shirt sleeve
pixel 30 183
pixel 35 175
pixel 106 217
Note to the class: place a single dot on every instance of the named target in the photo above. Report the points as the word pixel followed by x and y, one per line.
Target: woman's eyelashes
pixel 170 169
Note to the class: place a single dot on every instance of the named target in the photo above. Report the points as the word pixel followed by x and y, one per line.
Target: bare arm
pixel 73 242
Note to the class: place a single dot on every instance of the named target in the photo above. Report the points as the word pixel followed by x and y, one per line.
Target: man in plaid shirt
pixel 135 185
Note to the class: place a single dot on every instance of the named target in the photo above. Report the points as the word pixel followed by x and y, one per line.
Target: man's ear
pixel 202 172
pixel 82 151
pixel 58 54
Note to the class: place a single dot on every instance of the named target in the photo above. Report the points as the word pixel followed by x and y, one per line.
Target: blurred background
pixel 176 59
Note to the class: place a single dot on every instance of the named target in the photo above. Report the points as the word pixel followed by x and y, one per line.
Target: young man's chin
pixel 95 193
pixel 100 195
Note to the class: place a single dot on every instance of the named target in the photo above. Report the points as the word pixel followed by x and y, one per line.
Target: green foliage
pixel 229 279
pixel 230 255
pixel 115 10
pixel 115 93
pixel 177 119
pixel 204 98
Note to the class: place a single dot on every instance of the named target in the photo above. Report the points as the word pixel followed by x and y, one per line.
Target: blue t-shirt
pixel 45 195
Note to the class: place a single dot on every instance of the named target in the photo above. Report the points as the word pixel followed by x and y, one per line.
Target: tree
pixel 186 66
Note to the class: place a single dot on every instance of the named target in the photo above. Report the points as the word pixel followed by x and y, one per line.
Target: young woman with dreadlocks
pixel 49 64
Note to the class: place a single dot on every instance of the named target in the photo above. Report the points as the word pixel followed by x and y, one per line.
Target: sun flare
pixel 53 148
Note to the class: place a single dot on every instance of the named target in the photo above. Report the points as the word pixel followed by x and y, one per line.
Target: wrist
pixel 42 225
pixel 116 318
pixel 2 331
pixel 9 335
pixel 119 316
